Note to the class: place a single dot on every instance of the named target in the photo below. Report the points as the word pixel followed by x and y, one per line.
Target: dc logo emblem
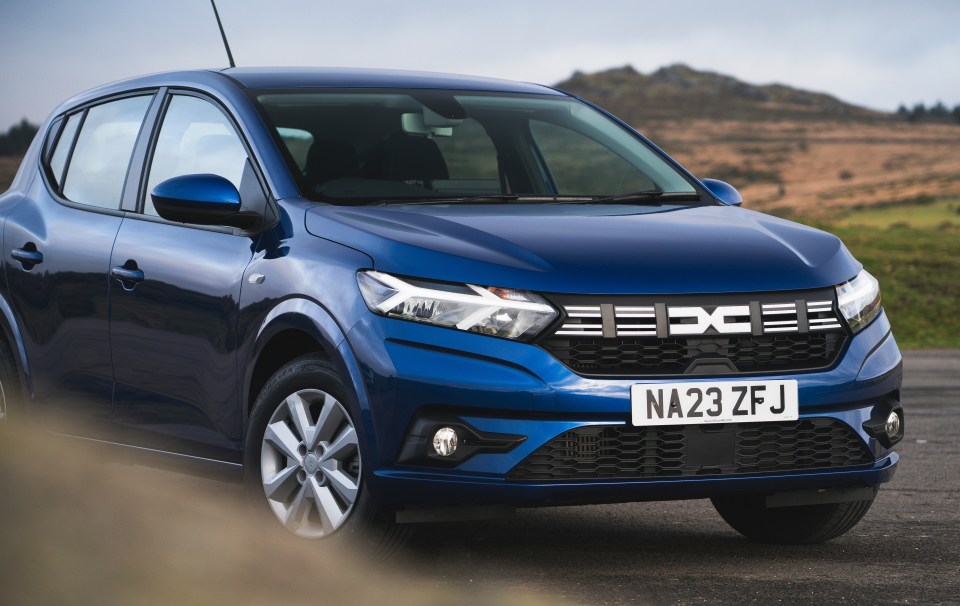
pixel 726 320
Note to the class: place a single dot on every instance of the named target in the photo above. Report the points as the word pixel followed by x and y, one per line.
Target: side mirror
pixel 201 200
pixel 723 191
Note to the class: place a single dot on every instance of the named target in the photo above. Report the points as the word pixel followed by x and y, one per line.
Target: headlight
pixel 501 312
pixel 859 300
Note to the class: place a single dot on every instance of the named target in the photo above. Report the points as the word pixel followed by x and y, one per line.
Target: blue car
pixel 384 298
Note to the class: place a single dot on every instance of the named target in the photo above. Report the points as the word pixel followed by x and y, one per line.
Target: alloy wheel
pixel 310 463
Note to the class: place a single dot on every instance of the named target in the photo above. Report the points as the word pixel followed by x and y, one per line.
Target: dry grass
pixel 815 169
pixel 77 529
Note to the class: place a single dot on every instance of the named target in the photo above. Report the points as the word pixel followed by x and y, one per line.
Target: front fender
pixel 310 317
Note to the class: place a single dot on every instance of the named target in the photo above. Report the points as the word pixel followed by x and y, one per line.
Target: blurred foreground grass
pixel 78 528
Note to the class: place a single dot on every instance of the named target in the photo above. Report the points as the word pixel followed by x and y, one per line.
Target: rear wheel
pixel 803 524
pixel 303 459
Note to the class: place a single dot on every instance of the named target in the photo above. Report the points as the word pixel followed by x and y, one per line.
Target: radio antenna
pixel 223 34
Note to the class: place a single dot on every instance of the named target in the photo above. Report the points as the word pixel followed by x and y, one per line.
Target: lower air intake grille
pixel 626 452
pixel 674 355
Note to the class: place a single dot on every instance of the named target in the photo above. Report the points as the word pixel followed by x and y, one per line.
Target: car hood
pixel 599 249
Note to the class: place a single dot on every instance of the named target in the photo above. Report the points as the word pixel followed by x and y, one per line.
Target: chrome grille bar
pixel 645 321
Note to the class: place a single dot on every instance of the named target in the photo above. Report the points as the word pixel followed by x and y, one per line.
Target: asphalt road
pixel 905 551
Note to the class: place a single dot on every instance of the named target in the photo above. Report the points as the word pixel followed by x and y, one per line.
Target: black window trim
pixel 55 188
pixel 145 159
pixel 52 138
pixel 131 187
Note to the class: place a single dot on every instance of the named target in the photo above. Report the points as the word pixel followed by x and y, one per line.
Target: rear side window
pixel 196 138
pixel 101 156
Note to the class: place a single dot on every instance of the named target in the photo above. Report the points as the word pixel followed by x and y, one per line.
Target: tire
pixel 302 437
pixel 799 525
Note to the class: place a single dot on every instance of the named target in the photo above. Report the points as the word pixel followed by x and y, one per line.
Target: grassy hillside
pixel 919 273
pixel 787 150
pixel 923 213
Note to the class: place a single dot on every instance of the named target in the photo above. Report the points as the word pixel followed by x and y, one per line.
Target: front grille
pixel 674 356
pixel 626 452
pixel 697 334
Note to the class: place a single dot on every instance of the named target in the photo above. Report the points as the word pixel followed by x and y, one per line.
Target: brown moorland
pixel 788 151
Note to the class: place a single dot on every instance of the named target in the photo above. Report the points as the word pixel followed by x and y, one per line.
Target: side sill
pixel 213 469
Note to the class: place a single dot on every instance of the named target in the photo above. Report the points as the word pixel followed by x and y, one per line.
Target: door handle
pixel 28 256
pixel 128 274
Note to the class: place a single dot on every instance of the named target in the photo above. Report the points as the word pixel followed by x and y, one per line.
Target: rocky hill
pixel 681 91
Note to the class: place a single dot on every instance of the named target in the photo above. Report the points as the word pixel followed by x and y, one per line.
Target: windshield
pixel 361 147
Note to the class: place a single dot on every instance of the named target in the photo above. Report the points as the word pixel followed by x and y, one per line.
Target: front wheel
pixel 303 459
pixel 802 524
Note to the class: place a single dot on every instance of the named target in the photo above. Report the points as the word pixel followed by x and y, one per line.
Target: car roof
pixel 307 77
pixel 333 77
pixel 319 77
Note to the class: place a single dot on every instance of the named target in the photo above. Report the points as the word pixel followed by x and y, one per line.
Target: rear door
pixel 57 254
pixel 174 325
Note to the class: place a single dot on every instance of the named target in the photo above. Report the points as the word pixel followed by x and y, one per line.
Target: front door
pixel 175 291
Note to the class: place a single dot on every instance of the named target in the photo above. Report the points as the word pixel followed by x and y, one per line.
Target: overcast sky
pixel 875 53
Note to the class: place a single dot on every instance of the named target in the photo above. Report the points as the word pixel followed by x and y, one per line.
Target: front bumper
pixel 418 489
pixel 503 387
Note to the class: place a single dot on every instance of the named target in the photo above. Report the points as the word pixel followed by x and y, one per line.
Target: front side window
pixel 372 147
pixel 101 154
pixel 196 138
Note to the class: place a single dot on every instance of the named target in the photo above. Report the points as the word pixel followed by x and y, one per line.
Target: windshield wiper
pixel 654 197
pixel 484 199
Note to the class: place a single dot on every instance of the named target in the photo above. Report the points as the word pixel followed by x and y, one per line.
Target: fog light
pixel 891 428
pixel 445 441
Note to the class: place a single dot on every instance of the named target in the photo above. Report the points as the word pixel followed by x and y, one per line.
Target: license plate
pixel 713 402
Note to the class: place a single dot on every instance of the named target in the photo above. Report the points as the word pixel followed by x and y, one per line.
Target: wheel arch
pixel 14 340
pixel 293 328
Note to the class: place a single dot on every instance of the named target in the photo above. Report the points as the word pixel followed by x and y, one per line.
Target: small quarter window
pixel 101 156
pixel 58 160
